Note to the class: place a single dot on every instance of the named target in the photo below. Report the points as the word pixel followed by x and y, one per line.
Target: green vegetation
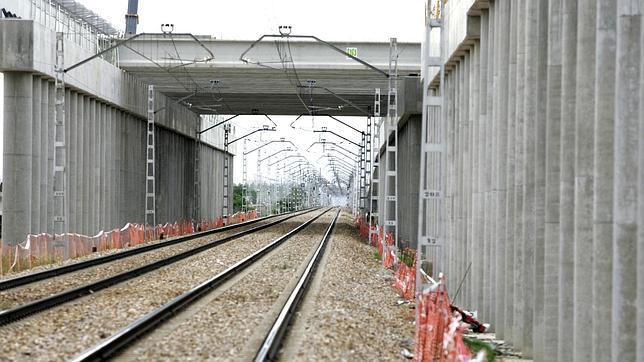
pixel 475 345
pixel 237 197
pixel 407 256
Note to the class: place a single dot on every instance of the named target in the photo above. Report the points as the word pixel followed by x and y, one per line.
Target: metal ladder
pixel 150 214
pixel 61 207
pixel 259 185
pixel 197 174
pixel 244 200
pixel 367 167
pixel 375 181
pixel 390 209
pixel 224 211
pixel 432 158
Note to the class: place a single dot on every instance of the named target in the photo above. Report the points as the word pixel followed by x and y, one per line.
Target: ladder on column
pixel 432 157
pixel 375 181
pixel 197 175
pixel 150 209
pixel 363 175
pixel 367 167
pixel 61 206
pixel 260 200
pixel 244 201
pixel 224 211
pixel 390 209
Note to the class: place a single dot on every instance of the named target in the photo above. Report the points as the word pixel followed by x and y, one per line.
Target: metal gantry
pixel 432 158
pixel 224 211
pixel 390 209
pixel 375 181
pixel 150 201
pixel 61 206
pixel 196 214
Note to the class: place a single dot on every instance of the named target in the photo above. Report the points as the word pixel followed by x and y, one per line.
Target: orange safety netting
pixel 45 249
pixel 405 280
pixel 439 333
pixel 379 240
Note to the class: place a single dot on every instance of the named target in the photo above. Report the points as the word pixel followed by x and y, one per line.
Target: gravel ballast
pixel 65 331
pixel 233 323
pixel 351 312
pixel 47 287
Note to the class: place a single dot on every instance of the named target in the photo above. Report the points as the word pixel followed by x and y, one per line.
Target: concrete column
pixel 50 156
pixel 17 156
pixel 640 211
pixel 35 156
pixel 492 160
pixel 109 146
pixel 44 154
pixel 530 129
pixel 625 203
pixel 584 133
pixel 467 180
pixel 101 170
pixel 567 174
pixel 477 230
pixel 540 178
pixel 483 58
pixel 93 201
pixel 71 150
pixel 519 177
pixel 508 327
pixel 87 170
pixel 80 175
pixel 501 117
pixel 552 176
pixel 603 180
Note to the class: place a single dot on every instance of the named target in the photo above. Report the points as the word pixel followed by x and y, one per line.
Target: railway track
pixel 126 337
pixel 38 305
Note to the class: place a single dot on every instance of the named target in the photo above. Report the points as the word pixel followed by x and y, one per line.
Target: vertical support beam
pixel 603 183
pixel 628 148
pixel 150 193
pixel 567 175
pixel 375 182
pixel 45 116
pixel 390 209
pixel 36 154
pixel 61 206
pixel 553 149
pixel 244 201
pixel 16 153
pixel 584 143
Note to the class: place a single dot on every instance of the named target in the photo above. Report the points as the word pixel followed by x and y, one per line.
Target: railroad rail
pixel 276 335
pixel 25 310
pixel 126 336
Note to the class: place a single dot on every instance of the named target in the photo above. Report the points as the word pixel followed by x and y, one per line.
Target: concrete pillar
pixel 567 174
pixel 552 176
pixel 94 157
pixel 35 156
pixel 489 154
pixel 71 116
pixel 603 180
pixel 50 156
pixel 585 107
pixel 80 176
pixel 519 177
pixel 501 116
pixel 483 59
pixel 625 203
pixel 640 211
pixel 530 128
pixel 540 177
pixel 508 327
pixel 44 154
pixel 87 170
pixel 17 156
pixel 477 230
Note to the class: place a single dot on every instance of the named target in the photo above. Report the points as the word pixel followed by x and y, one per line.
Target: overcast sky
pixel 350 20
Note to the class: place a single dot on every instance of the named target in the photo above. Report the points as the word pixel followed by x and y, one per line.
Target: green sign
pixel 352 52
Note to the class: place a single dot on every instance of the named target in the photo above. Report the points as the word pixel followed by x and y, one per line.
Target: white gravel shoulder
pixel 350 312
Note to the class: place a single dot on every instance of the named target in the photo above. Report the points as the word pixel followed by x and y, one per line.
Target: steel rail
pixel 121 339
pixel 24 310
pixel 275 336
pixel 54 272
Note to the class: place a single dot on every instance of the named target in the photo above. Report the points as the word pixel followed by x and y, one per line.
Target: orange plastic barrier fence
pixel 439 333
pixel 405 280
pixel 44 249
pixel 379 240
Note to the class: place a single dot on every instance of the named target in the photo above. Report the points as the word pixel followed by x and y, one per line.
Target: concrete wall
pixel 105 128
pixel 545 174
